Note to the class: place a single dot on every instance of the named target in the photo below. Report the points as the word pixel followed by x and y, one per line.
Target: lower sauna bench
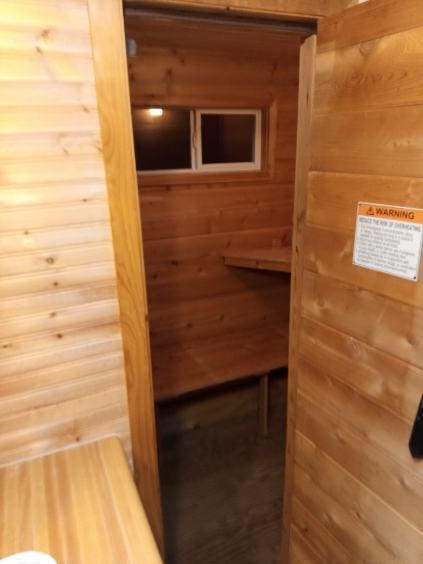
pixel 79 505
pixel 179 370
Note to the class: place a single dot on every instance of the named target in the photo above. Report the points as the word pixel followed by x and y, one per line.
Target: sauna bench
pixel 79 505
pixel 179 370
pixel 273 258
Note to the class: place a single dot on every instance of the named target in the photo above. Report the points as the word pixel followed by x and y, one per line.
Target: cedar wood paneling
pixel 356 493
pixel 188 224
pixel 61 371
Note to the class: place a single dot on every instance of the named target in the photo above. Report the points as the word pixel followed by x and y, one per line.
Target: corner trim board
pixel 111 76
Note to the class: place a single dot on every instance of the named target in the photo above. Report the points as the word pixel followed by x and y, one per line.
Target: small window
pixel 162 139
pixel 229 139
pixel 183 140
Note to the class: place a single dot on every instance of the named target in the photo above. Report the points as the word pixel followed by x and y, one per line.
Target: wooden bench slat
pixel 275 258
pixel 179 370
pixel 79 505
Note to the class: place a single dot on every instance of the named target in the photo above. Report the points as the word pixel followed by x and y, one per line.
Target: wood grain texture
pixel 314 532
pixel 305 109
pixel 79 506
pixel 336 213
pixel 220 405
pixel 327 299
pixel 62 377
pixel 401 487
pixel 329 252
pixel 368 21
pixel 380 142
pixel 276 259
pixel 227 357
pixel 349 506
pixel 195 302
pixel 109 55
pixel 360 357
pixel 284 9
pixel 161 31
pixel 198 78
pixel 345 84
pixel 301 550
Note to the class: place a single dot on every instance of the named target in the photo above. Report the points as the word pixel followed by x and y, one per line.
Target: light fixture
pixel 155 112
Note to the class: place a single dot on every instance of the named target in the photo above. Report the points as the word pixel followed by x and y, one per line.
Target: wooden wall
pixel 61 362
pixel 188 223
pixel 357 493
pixel 286 9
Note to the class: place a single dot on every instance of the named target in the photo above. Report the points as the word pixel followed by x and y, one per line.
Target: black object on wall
pixel 416 439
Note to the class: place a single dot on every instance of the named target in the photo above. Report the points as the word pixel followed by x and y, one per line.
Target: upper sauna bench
pixel 277 259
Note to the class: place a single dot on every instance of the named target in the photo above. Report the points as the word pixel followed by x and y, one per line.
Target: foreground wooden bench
pixel 79 505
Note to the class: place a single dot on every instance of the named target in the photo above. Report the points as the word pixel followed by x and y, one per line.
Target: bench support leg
pixel 263 404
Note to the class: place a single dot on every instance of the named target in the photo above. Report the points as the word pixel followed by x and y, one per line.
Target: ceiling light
pixel 155 112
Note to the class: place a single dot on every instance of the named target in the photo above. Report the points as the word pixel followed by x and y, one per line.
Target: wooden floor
pixel 222 488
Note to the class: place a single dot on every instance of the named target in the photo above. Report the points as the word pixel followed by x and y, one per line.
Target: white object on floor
pixel 30 557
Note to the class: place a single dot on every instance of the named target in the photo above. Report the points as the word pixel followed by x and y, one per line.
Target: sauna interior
pixel 217 232
pixel 211 227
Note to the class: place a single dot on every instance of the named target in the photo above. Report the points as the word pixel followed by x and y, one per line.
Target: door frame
pixel 277 10
pixel 302 165
pixel 112 88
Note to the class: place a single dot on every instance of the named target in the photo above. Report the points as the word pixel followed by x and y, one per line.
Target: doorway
pixel 215 118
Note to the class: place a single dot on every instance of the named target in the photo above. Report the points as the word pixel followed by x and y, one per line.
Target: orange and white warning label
pixel 389 239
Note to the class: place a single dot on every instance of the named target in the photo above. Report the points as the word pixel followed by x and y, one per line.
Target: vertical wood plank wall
pixel 357 493
pixel 61 368
pixel 187 225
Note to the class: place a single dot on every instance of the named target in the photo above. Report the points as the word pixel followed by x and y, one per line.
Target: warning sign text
pixel 389 239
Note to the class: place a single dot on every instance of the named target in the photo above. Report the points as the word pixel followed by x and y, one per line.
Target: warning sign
pixel 389 239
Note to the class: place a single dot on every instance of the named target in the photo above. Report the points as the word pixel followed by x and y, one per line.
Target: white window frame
pixel 255 164
pixel 197 164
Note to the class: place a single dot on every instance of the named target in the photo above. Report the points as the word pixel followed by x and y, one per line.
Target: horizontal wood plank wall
pixel 357 492
pixel 286 9
pixel 186 227
pixel 61 370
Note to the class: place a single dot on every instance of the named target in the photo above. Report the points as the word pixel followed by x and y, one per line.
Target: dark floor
pixel 222 489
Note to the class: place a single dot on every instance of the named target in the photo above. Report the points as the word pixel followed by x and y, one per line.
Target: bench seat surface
pixel 178 370
pixel 79 505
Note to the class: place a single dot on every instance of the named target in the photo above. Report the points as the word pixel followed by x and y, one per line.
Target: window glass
pixel 162 138
pixel 228 138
